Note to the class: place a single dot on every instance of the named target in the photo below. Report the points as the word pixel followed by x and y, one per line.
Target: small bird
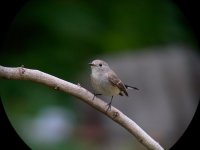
pixel 106 82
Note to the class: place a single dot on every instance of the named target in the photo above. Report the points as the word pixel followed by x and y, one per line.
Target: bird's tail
pixel 131 87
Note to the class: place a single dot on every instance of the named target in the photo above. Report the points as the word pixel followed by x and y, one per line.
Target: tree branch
pixel 21 73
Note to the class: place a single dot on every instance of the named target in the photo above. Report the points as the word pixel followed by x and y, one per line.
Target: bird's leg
pixel 109 104
pixel 95 94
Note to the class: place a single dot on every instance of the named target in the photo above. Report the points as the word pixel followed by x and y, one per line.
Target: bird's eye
pixel 100 65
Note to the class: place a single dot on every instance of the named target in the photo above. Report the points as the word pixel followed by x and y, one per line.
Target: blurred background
pixel 148 43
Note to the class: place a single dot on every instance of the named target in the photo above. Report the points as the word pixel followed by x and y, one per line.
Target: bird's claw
pixel 109 106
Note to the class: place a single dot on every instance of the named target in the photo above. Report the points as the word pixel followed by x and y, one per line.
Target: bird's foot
pixel 95 95
pixel 109 106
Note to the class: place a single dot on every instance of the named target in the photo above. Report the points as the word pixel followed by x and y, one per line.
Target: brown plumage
pixel 115 81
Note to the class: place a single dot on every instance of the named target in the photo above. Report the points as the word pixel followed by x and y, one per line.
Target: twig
pixel 21 73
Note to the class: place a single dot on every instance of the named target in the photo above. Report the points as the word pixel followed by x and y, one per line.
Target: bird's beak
pixel 91 64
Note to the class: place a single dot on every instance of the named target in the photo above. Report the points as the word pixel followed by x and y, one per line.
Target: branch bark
pixel 21 73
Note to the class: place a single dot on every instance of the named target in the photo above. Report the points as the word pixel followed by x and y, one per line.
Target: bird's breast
pixel 102 85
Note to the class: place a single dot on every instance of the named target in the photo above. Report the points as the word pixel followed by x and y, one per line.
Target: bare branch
pixel 21 73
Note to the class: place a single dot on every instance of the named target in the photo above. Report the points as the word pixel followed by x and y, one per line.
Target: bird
pixel 106 82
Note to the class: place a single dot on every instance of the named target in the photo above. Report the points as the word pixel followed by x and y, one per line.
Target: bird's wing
pixel 115 81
